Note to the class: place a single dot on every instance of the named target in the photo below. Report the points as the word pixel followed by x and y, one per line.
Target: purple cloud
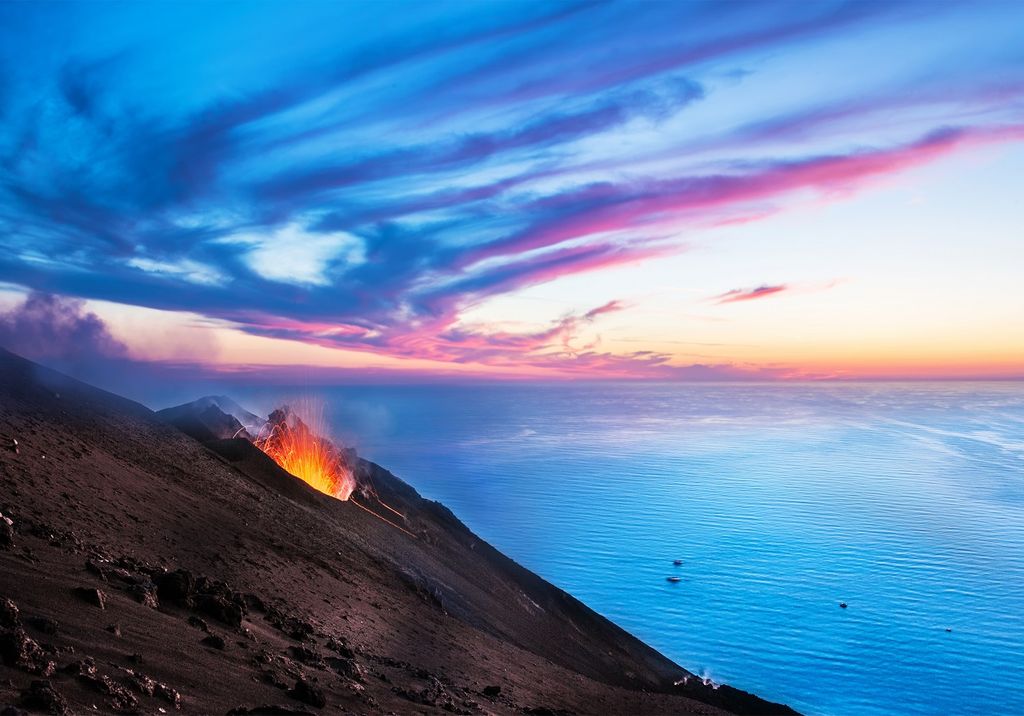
pixel 749 294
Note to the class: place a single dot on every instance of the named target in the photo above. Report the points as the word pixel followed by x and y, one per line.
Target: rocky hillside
pixel 148 571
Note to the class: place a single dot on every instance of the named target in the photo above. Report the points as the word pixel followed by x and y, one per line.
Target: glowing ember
pixel 300 450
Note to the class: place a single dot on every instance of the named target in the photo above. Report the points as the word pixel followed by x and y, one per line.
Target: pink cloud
pixel 749 294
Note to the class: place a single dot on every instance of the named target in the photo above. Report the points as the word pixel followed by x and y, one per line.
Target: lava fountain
pixel 299 448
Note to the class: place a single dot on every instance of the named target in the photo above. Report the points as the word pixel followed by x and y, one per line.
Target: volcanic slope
pixel 147 570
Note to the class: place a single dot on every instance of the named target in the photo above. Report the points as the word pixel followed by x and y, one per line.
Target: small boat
pixel 674 579
pixel 677 562
pixel 842 605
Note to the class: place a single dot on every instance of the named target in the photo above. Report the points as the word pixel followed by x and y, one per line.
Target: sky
pixel 515 190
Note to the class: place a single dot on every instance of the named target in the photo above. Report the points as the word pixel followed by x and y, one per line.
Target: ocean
pixel 905 501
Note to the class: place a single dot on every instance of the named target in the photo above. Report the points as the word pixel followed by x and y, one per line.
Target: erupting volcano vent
pixel 301 450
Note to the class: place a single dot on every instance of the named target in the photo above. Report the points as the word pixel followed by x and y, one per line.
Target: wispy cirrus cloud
pixel 737 295
pixel 365 193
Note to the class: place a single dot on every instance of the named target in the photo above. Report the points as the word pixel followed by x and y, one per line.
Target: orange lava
pixel 300 450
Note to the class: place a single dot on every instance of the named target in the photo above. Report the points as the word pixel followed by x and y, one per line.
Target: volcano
pixel 160 562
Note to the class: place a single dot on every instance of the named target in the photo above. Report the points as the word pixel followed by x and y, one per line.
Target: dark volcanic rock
pixel 40 696
pixel 145 594
pixel 18 650
pixel 176 587
pixel 151 687
pixel 219 608
pixel 99 567
pixel 92 596
pixel 492 691
pixel 119 697
pixel 253 602
pixel 348 668
pixel 168 694
pixel 199 623
pixel 9 618
pixel 294 627
pixel 341 647
pixel 307 656
pixel 435 694
pixel 307 693
pixel 213 641
pixel 83 667
pixel 6 532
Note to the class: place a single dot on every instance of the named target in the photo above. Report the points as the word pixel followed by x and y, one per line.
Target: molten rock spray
pixel 301 451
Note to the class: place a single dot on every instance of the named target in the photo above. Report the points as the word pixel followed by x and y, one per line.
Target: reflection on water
pixel 904 501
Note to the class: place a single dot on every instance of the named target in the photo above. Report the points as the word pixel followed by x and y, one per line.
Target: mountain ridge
pixel 431 622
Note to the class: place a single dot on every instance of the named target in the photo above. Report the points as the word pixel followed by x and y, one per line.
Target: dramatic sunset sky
pixel 673 190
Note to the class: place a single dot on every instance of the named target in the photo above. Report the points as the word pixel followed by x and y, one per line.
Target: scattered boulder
pixel 165 692
pixel 340 647
pixel 307 656
pixel 139 681
pixel 150 687
pixel 97 566
pixel 145 594
pixel 294 627
pixel 120 698
pixel 92 596
pixel 308 693
pixel 176 587
pixel 20 651
pixel 199 623
pixel 253 602
pixel 492 691
pixel 270 676
pixel 434 694
pixel 213 641
pixel 9 616
pixel 115 629
pixel 6 532
pixel 83 667
pixel 219 608
pixel 40 696
pixel 348 668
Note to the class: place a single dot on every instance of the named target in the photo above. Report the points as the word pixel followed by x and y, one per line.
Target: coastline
pixel 442 621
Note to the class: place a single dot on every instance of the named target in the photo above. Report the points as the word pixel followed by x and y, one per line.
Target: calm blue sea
pixel 904 500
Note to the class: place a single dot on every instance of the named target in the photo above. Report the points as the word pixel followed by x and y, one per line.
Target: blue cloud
pixel 383 165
